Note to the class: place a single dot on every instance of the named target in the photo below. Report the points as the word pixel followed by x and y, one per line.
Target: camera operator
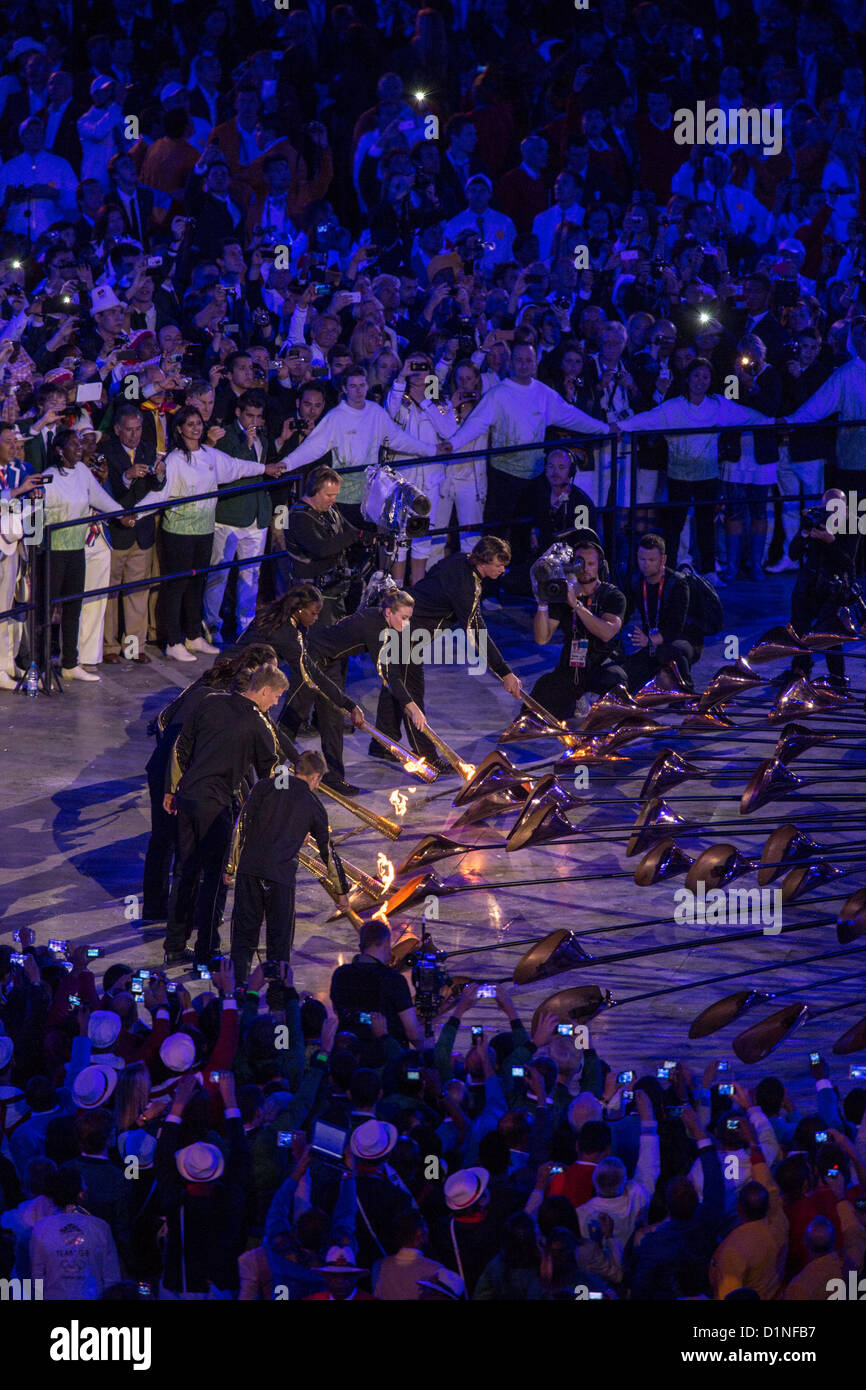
pixel 828 567
pixel 661 631
pixel 449 596
pixel 274 823
pixel 371 985
pixel 591 620
pixel 317 540
pixel 310 405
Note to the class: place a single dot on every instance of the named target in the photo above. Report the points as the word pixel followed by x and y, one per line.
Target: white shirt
pixel 517 414
pixel 545 224
pixel 201 472
pixel 98 142
pixel 739 206
pixel 355 437
pixel 35 215
pixel 72 494
pixel 844 391
pixel 693 457
pixel 499 233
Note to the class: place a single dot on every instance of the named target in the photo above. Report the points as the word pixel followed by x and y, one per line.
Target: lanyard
pixel 658 603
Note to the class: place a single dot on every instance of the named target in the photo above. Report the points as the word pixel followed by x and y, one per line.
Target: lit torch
pixel 403 755
pixel 464 770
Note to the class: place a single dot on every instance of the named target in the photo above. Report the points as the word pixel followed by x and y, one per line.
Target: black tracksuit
pixel 316 543
pixel 308 685
pixel 276 819
pixel 218 744
pixel 163 827
pixel 682 643
pixel 823 586
pixel 560 689
pixel 448 596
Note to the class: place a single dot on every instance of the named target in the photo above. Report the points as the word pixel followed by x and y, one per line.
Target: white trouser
pixel 466 487
pixel 234 543
pixel 431 481
pixel 91 628
pixel 649 482
pixel 10 628
pixel 794 479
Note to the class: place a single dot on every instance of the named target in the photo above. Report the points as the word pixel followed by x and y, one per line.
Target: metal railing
pixel 610 513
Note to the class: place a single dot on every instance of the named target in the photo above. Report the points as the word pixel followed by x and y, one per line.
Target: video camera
pixel 815 519
pixel 394 504
pixel 551 572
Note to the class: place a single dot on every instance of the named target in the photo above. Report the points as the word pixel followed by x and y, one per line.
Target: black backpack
pixel 705 611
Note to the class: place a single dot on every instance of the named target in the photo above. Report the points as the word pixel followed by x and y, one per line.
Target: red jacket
pixel 522 198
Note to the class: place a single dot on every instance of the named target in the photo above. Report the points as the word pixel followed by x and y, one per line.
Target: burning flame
pixel 399 802
pixel 420 767
pixel 466 770
pixel 385 870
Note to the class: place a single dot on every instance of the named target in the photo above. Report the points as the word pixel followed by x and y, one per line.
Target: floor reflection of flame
pixel 472 865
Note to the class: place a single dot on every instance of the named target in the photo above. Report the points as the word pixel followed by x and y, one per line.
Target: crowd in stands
pixel 258 1143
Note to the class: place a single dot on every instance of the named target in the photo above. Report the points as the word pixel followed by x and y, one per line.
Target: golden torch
pixel 412 764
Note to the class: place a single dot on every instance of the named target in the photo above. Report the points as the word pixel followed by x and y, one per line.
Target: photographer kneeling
pixel 828 566
pixel 590 616
pixel 661 630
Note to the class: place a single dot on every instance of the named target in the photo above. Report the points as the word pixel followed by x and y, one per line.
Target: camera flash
pixel 703 317
pixel 16 265
pixel 420 96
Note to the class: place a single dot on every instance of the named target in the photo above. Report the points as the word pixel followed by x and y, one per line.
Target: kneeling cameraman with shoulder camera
pixel 828 566
pixel 572 592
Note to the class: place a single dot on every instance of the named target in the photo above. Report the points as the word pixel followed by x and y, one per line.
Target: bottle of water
pixel 31 683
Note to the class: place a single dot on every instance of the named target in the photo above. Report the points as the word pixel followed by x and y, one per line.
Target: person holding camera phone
pixel 590 618
pixel 275 821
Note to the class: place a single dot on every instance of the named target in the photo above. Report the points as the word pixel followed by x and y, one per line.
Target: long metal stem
pixel 602 931
pixel 736 975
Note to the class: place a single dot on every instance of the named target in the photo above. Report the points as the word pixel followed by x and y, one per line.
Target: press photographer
pixel 573 594
pixel 660 628
pixel 828 568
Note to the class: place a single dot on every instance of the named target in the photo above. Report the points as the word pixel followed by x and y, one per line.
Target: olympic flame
pixel 399 802
pixel 419 766
pixel 385 870
pixel 467 771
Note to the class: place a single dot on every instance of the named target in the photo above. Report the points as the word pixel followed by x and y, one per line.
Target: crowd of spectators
pixel 258 1143
pixel 238 240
